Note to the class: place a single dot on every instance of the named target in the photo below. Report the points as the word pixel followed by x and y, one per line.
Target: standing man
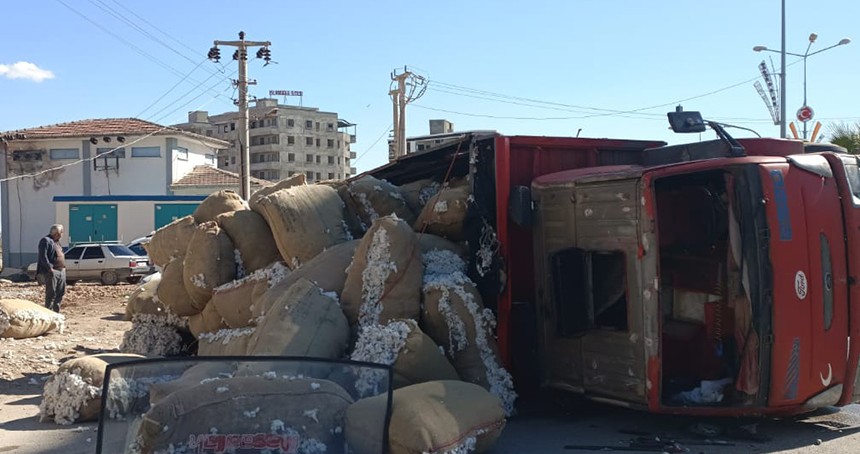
pixel 52 267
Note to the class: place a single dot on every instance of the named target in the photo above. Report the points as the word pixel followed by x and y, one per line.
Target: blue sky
pixel 616 55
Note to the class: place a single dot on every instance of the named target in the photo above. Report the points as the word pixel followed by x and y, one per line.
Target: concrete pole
pixel 244 133
pixel 401 96
pixel 394 149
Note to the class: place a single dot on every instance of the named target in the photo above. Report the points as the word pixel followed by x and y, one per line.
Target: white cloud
pixel 25 70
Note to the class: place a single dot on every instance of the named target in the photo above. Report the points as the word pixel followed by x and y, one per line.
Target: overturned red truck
pixel 708 278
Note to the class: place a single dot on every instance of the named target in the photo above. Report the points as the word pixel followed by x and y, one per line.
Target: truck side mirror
pixel 520 206
pixel 684 122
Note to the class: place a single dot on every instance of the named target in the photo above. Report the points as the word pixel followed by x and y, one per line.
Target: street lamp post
pixel 804 56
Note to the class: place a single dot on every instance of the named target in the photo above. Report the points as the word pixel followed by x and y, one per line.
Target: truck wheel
pixel 133 279
pixel 109 278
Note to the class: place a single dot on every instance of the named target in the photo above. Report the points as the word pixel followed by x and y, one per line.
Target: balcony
pixel 352 155
pixel 352 138
pixel 271 165
pixel 266 148
pixel 352 171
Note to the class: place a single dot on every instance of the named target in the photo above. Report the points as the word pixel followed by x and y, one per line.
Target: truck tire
pixel 133 279
pixel 109 277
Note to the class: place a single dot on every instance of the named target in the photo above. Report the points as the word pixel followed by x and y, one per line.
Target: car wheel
pixel 133 279
pixel 71 282
pixel 109 278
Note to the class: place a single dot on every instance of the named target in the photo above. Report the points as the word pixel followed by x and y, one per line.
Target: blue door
pixel 165 213
pixel 92 222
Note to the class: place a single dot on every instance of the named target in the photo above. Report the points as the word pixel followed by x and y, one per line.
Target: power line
pixel 171 88
pixel 387 129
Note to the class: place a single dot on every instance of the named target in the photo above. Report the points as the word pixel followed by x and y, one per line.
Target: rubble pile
pixel 361 270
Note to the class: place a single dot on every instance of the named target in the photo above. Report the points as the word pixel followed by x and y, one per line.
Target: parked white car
pixel 108 263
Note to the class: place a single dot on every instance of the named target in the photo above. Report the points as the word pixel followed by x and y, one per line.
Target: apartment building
pixel 285 140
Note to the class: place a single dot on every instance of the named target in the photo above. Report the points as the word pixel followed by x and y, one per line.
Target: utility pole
pixel 241 55
pixel 410 87
pixel 782 85
pixel 394 148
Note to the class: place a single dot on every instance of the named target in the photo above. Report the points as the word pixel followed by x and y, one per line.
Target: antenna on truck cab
pixel 691 121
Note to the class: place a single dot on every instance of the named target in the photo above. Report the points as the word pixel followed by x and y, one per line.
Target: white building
pixel 285 140
pixel 105 179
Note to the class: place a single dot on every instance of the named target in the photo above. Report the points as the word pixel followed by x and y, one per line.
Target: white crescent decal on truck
pixel 826 381
pixel 800 285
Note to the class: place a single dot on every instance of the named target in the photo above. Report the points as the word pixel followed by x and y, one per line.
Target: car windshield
pixel 118 251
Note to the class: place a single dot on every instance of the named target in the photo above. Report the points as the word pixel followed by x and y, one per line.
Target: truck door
pixel 810 284
pixel 590 307
pixel 846 170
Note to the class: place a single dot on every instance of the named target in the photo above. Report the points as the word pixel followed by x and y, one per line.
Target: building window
pixel 338 176
pixel 27 155
pixel 181 153
pixel 208 133
pixel 346 161
pixel 329 126
pixel 232 159
pixel 232 127
pixel 338 143
pixel 253 125
pixel 330 143
pixel 145 152
pixel 318 126
pixel 331 159
pixel 318 176
pixel 291 140
pixel 318 159
pixel 291 157
pixel 110 153
pixel 330 176
pixel 318 142
pixel 64 153
pixel 309 175
pixel 309 124
pixel 226 162
pixel 309 141
pixel 210 158
pixel 290 122
pixel 339 160
pixel 310 158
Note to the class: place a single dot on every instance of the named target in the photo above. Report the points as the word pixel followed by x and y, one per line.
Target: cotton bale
pixel 417 193
pixel 171 291
pixel 207 321
pixel 295 180
pixel 373 198
pixel 171 241
pixel 209 263
pixel 225 342
pixel 234 300
pixel 223 201
pixel 74 392
pixel 252 237
pixel 437 417
pixel 300 415
pixel 383 282
pixel 305 220
pixel 20 319
pixel 144 300
pixel 445 213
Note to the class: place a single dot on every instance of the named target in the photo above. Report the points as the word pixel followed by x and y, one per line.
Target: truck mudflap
pixel 847 175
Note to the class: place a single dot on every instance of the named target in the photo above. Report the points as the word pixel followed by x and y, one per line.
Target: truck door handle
pixel 101 261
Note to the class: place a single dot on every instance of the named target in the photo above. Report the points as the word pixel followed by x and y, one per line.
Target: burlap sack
pixel 224 342
pixel 384 280
pixel 207 321
pixel 373 198
pixel 171 241
pixel 233 301
pixel 20 319
pixel 414 357
pixel 209 263
pixel 455 318
pixel 308 409
pixel 144 300
pixel 192 376
pixel 444 213
pixel 351 212
pixel 223 201
pixel 73 393
pixel 417 193
pixel 295 180
pixel 305 220
pixel 431 242
pixel 327 270
pixel 420 360
pixel 171 290
pixel 433 418
pixel 252 238
pixel 302 322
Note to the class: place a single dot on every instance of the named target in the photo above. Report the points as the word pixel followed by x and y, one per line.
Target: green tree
pixel 846 135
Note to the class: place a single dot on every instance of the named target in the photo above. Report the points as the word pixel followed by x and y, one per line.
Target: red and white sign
pixel 805 114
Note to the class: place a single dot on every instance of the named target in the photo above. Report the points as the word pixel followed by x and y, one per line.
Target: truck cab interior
pixel 701 293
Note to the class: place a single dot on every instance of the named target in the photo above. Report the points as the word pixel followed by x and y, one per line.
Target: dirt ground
pixel 93 325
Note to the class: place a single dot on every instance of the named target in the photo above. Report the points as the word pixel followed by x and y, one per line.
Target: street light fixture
pixel 804 56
